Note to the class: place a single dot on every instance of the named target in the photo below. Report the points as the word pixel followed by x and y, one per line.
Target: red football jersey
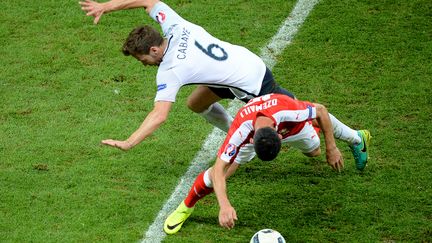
pixel 289 117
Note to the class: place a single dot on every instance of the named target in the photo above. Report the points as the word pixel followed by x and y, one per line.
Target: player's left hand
pixel 123 145
pixel 335 159
pixel 92 8
pixel 227 216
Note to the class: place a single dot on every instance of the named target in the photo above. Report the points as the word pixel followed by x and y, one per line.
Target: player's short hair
pixel 140 40
pixel 267 143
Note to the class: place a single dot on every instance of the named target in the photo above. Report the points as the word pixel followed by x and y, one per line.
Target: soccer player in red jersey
pixel 259 128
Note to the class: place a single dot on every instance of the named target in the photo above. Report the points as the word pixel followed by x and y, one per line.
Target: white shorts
pixel 307 140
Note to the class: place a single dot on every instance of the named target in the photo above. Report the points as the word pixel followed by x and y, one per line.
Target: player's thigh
pixel 314 153
pixel 201 98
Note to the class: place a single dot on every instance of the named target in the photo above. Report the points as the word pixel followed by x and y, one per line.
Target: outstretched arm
pixel 96 9
pixel 219 174
pixel 154 119
pixel 334 156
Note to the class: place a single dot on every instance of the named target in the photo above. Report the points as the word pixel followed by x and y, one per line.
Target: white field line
pixel 207 154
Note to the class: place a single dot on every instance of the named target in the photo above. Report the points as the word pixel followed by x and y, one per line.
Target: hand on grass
pixel 92 8
pixel 123 145
pixel 227 217
pixel 335 159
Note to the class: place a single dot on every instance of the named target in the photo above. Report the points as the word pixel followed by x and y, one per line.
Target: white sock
pixel 207 180
pixel 343 132
pixel 217 116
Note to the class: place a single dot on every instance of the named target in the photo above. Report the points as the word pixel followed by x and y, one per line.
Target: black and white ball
pixel 267 236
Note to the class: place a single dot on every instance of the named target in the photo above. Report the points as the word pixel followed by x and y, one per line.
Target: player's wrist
pixel 330 145
pixel 129 143
pixel 225 204
pixel 108 7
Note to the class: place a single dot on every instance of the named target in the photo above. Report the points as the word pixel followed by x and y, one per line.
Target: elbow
pixel 157 117
pixel 321 109
pixel 160 112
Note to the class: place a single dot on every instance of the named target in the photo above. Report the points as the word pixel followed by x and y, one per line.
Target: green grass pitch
pixel 65 86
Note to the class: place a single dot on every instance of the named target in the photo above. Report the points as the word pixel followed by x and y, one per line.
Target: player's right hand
pixel 227 216
pixel 92 8
pixel 335 159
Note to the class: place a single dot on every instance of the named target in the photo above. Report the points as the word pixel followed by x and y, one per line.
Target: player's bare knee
pixel 314 153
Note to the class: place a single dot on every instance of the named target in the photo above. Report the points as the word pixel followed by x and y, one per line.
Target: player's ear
pixel 153 51
pixel 251 140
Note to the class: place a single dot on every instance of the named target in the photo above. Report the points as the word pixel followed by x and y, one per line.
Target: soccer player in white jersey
pixel 259 128
pixel 187 54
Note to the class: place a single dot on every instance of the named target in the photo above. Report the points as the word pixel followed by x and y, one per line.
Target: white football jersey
pixel 193 56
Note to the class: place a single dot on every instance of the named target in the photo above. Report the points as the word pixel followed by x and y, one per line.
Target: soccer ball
pixel 267 236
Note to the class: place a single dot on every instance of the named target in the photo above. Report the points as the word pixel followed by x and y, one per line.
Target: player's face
pixel 148 59
pixel 153 58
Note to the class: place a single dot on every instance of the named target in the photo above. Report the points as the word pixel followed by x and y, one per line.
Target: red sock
pixel 197 191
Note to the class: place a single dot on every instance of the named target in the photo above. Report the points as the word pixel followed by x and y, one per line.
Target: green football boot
pixel 360 151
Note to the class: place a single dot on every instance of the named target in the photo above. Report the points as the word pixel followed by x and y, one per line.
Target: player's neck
pixel 263 121
pixel 164 46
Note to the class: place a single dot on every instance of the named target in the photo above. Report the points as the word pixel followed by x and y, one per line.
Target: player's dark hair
pixel 267 143
pixel 140 40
